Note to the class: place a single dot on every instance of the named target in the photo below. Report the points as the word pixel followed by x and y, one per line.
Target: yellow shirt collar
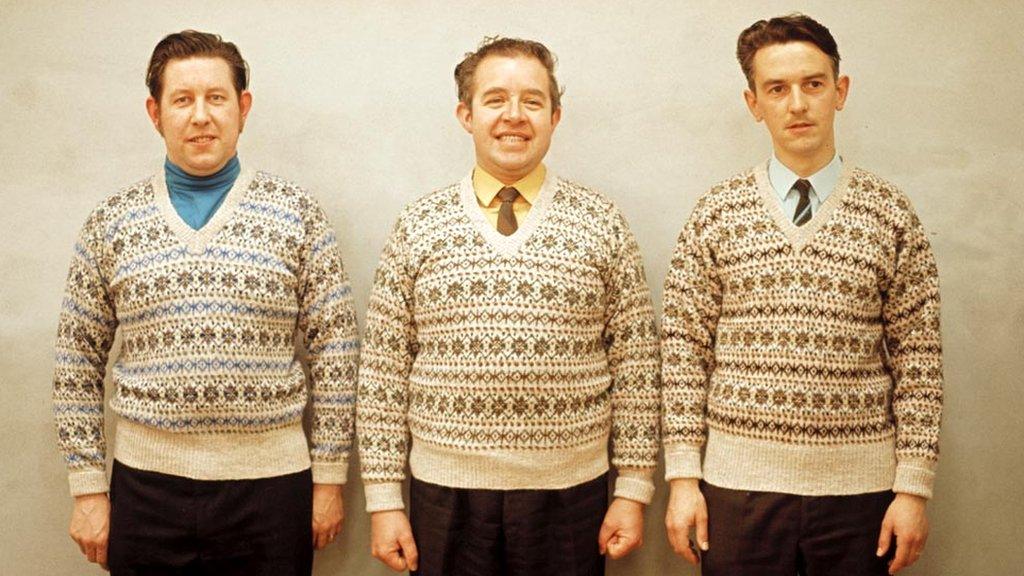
pixel 487 186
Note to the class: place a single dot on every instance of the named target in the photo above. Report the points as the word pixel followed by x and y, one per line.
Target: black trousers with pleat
pixel 164 525
pixel 773 534
pixel 471 532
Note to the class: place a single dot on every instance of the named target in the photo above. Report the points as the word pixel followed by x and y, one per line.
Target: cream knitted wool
pixel 207 385
pixel 808 358
pixel 509 360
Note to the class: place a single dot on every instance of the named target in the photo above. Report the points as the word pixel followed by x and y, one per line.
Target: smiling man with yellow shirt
pixel 509 337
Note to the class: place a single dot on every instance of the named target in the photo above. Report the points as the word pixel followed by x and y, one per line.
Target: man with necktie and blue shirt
pixel 802 374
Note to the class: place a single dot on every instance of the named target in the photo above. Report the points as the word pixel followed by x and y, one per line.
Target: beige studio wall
pixel 355 100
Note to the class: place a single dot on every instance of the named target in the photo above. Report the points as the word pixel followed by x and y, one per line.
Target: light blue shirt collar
pixel 823 181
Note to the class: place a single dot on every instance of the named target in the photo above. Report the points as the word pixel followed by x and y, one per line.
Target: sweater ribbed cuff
pixel 635 484
pixel 382 496
pixel 682 461
pixel 91 481
pixel 330 472
pixel 914 477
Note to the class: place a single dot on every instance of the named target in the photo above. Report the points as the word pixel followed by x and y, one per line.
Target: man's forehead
pixel 496 70
pixel 790 59
pixel 206 69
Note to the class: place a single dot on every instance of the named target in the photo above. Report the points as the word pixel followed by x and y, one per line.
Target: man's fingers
pixel 702 531
pixel 394 560
pixel 101 555
pixel 900 561
pixel 884 539
pixel 679 538
pixel 603 536
pixel 409 551
pixel 620 546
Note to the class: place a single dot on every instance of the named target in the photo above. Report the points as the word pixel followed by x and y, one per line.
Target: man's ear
pixel 464 112
pixel 842 90
pixel 244 105
pixel 153 111
pixel 751 99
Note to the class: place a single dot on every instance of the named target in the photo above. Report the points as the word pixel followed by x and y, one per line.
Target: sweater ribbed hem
pixel 383 496
pixel 915 477
pixel 635 484
pixel 90 481
pixel 740 463
pixel 682 461
pixel 215 456
pixel 330 472
pixel 504 469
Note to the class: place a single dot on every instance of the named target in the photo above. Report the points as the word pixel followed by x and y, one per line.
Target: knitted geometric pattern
pixel 808 358
pixel 207 320
pixel 510 360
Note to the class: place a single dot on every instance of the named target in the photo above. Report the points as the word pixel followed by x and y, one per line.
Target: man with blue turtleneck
pixel 206 269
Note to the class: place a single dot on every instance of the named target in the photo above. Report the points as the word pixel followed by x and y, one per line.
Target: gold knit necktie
pixel 506 216
pixel 803 206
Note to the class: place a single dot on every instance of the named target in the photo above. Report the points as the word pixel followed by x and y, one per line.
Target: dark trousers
pixel 163 525
pixel 771 534
pixel 463 532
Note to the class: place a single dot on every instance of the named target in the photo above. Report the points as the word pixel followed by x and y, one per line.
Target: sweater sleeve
pixel 631 343
pixel 910 313
pixel 327 323
pixel 387 358
pixel 692 304
pixel 84 336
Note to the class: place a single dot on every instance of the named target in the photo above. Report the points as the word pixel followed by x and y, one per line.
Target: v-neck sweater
pixel 207 385
pixel 803 359
pixel 509 361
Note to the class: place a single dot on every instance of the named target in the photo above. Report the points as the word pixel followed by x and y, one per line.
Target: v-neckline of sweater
pixel 196 241
pixel 511 244
pixel 800 236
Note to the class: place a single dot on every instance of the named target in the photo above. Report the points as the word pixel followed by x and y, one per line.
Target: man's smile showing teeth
pixel 201 139
pixel 512 139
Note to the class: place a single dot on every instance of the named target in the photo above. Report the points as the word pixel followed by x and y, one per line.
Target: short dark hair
pixel 498 46
pixel 780 30
pixel 190 44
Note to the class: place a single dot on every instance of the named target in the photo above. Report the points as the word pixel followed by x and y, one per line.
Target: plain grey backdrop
pixel 355 100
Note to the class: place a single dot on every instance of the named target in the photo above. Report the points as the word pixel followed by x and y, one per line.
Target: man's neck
pixel 807 165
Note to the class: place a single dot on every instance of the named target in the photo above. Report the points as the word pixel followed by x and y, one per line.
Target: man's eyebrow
pixel 815 76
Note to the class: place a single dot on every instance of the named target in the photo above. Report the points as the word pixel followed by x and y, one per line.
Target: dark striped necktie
pixel 803 207
pixel 507 224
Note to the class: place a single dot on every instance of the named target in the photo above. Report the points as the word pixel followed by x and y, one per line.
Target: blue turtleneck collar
pixel 196 198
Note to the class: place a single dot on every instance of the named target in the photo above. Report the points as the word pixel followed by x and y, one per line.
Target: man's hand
pixel 328 513
pixel 90 526
pixel 686 510
pixel 622 530
pixel 391 540
pixel 906 520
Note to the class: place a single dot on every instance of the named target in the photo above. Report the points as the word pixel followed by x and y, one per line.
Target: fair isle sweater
pixel 507 362
pixel 207 385
pixel 808 359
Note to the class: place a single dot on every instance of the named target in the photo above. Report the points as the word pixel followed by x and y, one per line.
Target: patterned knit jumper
pixel 207 385
pixel 808 358
pixel 510 360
